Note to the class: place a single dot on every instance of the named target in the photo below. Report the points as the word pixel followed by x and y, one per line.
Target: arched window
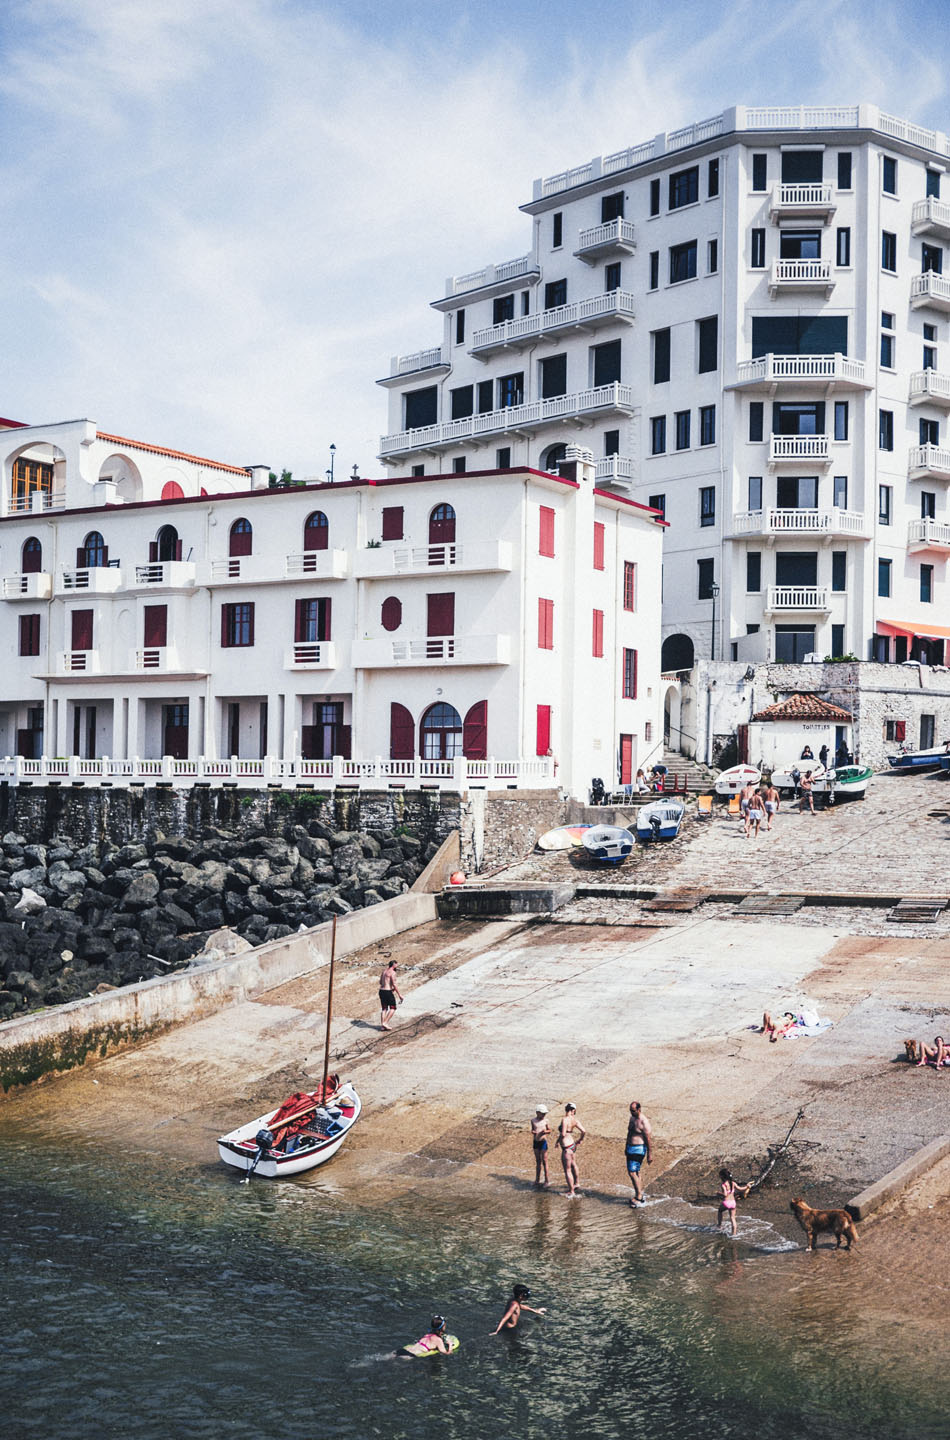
pixel 442 526
pixel 93 552
pixel 31 556
pixel 240 538
pixel 316 532
pixel 171 490
pixel 167 544
pixel 552 457
pixel 440 733
pixel 391 613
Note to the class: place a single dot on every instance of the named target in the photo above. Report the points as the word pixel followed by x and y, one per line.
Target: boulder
pixel 181 919
pixel 130 855
pixel 347 857
pixel 28 878
pixel 209 913
pixel 222 944
pixel 212 877
pixel 65 881
pixel 370 897
pixel 336 904
pixel 36 855
pixel 369 871
pixel 371 846
pixel 25 984
pixel 29 903
pixel 256 868
pixel 142 891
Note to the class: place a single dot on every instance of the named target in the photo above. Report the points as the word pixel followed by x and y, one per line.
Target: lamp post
pixel 332 460
pixel 714 591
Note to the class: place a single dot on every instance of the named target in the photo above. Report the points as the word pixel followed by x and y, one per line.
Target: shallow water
pixel 144 1297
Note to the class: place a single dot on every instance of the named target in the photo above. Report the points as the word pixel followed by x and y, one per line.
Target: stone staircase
pixel 697 779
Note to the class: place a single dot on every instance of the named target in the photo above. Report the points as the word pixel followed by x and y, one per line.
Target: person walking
pixel 755 813
pixel 772 802
pixel 540 1130
pixel 728 1190
pixel 806 785
pixel 388 996
pixel 745 795
pixel 570 1133
pixel 637 1148
pixel 823 756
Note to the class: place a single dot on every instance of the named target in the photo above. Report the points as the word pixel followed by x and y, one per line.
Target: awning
pixel 913 628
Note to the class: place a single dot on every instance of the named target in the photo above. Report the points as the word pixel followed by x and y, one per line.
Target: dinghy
pixel 846 782
pixel 731 781
pixel 789 777
pixel 608 843
pixel 661 820
pixel 302 1132
pixel 563 838
pixel 920 759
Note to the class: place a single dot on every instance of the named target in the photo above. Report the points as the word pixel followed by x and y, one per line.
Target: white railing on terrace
pixel 38 500
pixel 491 275
pixel 155 657
pixel 613 467
pixel 801 272
pixel 324 564
pixel 312 655
pixel 33 585
pixel 799 447
pixel 409 559
pixel 614 302
pixel 419 360
pixel 930 213
pixel 934 459
pixel 166 572
pixel 929 532
pixel 457 774
pixel 515 417
pixel 801 522
pixel 800 117
pixel 913 134
pixel 382 653
pixel 73 662
pixel 799 367
pixel 817 196
pixel 612 232
pixel 95 579
pixel 931 287
pixel 797 597
pixel 930 385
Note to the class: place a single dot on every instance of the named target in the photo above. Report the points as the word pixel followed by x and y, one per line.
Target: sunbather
pixel 936 1054
pixel 776 1029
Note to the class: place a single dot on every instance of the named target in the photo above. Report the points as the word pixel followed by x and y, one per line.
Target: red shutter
pixel 475 732
pixel 344 741
pixel 250 623
pixel 316 532
pixel 546 533
pixel 441 528
pixel 32 557
pixel 598 545
pixel 178 549
pixel 29 634
pixel 598 648
pixel 440 614
pixel 326 627
pixel 742 744
pixel 626 759
pixel 105 555
pixel 225 627
pixel 392 522
pixel 391 613
pixel 308 741
pixel 402 733
pixel 81 630
pixel 544 729
pixel 629 585
pixel 153 552
pixel 300 624
pixel 545 624
pixel 240 541
pixel 156 626
pixel 81 558
pixel 900 730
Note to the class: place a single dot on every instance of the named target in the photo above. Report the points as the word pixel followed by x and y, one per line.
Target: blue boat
pixel 607 843
pixel 932 759
pixel 661 820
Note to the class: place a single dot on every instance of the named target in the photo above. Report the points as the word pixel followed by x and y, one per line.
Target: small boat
pixel 302 1132
pixel 563 838
pixel 945 762
pixel 731 781
pixel 920 759
pixel 608 843
pixel 789 777
pixel 846 782
pixel 660 820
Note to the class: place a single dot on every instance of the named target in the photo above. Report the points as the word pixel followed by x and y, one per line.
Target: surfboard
pixel 563 838
pixel 417 1352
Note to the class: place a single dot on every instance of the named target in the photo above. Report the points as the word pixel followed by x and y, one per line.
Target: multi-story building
pixel 156 604
pixel 749 324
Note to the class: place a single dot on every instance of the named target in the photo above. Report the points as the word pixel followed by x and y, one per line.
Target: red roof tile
pixel 174 454
pixel 803 707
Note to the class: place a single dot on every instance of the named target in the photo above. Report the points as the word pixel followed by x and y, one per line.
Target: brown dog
pixel 912 1050
pixel 817 1222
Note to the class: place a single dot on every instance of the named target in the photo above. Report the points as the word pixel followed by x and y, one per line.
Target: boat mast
pixel 326 1051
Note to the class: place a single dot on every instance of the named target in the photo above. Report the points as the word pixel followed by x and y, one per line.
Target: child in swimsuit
pixel 516 1304
pixel 434 1340
pixel 729 1190
pixel 539 1129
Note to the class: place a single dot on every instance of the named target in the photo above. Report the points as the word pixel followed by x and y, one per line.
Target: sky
pixel 222 217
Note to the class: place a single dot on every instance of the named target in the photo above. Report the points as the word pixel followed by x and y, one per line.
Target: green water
pixel 150 1299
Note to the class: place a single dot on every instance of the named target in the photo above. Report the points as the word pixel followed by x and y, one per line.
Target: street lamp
pixel 332 459
pixel 714 591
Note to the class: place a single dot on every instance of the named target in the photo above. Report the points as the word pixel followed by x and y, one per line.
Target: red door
pixel 241 538
pixel 544 730
pixel 442 526
pixel 81 630
pixel 440 622
pixel 32 560
pixel 626 759
pixel 475 732
pixel 156 627
pixel 175 731
pixel 402 733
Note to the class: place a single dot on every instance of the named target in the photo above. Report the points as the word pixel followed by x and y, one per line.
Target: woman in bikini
pixel 937 1054
pixel 570 1133
pixel 728 1191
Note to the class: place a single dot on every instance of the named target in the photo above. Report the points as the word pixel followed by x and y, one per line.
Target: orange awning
pixel 908 627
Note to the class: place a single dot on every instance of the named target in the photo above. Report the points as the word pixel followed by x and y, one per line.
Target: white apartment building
pixel 748 322
pixel 154 604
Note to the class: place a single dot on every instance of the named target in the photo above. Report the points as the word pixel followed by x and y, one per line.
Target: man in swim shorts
pixel 639 1147
pixel 539 1130
pixel 388 995
pixel 771 804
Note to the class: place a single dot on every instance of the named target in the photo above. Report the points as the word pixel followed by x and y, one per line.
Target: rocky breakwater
pixel 75 919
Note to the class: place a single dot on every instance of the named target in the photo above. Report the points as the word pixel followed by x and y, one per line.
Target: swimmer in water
pixel 434 1340
pixel 509 1321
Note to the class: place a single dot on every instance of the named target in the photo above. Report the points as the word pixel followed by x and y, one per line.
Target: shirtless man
pixel 540 1129
pixel 509 1321
pixel 806 785
pixel 638 1147
pixel 755 814
pixel 388 995
pixel 570 1133
pixel 745 795
pixel 771 798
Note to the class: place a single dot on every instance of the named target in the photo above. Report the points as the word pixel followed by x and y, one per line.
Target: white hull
pixel 731 781
pixel 239 1148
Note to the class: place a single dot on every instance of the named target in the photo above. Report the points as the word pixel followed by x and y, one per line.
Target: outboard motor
pixel 263 1139
pixel 655 824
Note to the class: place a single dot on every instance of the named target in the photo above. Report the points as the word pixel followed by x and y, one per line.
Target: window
pixel 511 390
pixel 421 407
pixel 682 262
pixel 931 258
pixel 31 556
pixel 682 419
pixel 629 585
pixel 889 175
pixel 611 207
pixel 841 419
pixel 707 505
pixel 706 576
pixel 654 197
pixel 885 429
pixel 597 645
pixel 796 567
pixel 503 458
pixel 707 425
pixel 684 187
pixel 459 465
pixel 463 402
pixel 525 302
pixel 557 230
pixel 880 646
pixel 503 308
pixel 753 571
pixel 707 336
pixel 93 553
pixel 460 327
pixel 658 502
pixel 839 570
pixel 887 351
pixel 486 389
pixel 928 505
pixel 712 257
pixel 933 184
pixel 843 246
pixel 755 492
pixel 555 294
pixel 418 469
pixel 605 367
pixel 929 432
pixel 630 674
pixel 756 420
pixel 926 584
pixel 553 377
pixel 840 492
pixel 545 624
pixel 930 357
pixel 760 172
pixel 316 531
pixel 844 170
pixel 391 613
pixel 889 251
pixel 611 442
pixel 800 244
pixel 884 501
pixel 794 642
pixel 237 625
pixel 930 332
pixel 312 619
pixel 658 435
pixel 612 277
pixel 712 179
pixel 661 357
pixel 895 730
pixel 793 418
pixel 757 253
pixel 654 269
pixel 29 634
pixel 802 167
pixel 837 640
pixel 546 531
pixel 799 334
pixel 598 545
pixel 797 492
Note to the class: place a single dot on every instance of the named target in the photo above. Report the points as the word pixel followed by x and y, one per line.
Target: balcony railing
pixel 92 580
pixel 166 574
pixel 786 449
pixel 516 418
pixel 155 657
pixel 930 387
pixel 613 468
pixel 930 289
pixel 928 535
pixel 38 500
pixel 807 199
pixel 597 309
pixel 432 650
pixel 801 275
pixel 311 655
pixel 321 564
pixel 801 370
pixel 418 360
pixel 492 275
pixel 799 522
pixel 797 597
pixel 37 585
pixel 461 556
pixel 929 461
pixel 613 237
pixel 931 217
pixel 76 662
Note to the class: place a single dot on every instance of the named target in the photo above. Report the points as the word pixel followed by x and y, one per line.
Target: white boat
pixel 920 759
pixel 731 781
pixel 789 776
pixel 848 782
pixel 660 820
pixel 607 843
pixel 314 1131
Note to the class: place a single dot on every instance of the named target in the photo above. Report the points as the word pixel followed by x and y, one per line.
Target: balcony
pixel 89 580
pixel 35 586
pixel 829 372
pixel 469 557
pixel 276 569
pixel 433 650
pixel 614 237
pixel 317 564
pixel 931 217
pixel 402 366
pixel 930 387
pixel 311 655
pixel 798 202
pixel 928 462
pixel 801 275
pixel 166 575
pixel 161 659
pixel 800 598
pixel 523 270
pixel 614 470
pixel 928 535
pixel 799 450
pixel 36 502
pixel 930 290
pixel 516 419
pixel 579 315
pixel 825 523
pixel 79 662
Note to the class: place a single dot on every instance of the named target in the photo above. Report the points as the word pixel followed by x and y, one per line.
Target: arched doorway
pixel 442 526
pixel 672 722
pixel 552 457
pixel 677 653
pixel 440 733
pixel 240 538
pixel 93 552
pixel 167 544
pixel 31 556
pixel 316 532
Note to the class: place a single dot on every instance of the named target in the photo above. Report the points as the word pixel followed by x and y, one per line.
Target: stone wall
pixel 499 827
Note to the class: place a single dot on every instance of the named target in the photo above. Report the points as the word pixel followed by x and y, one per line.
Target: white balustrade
pixel 930 460
pixel 93 580
pixel 799 369
pixel 930 289
pixel 492 274
pixel 930 387
pixel 35 585
pixel 930 534
pixel 930 216
pixel 805 199
pixel 166 574
pixel 610 305
pixel 311 655
pixel 617 233
pixel 832 521
pixel 418 360
pixel 613 467
pixel 797 597
pixel 801 274
pixel 604 397
pixel 74 662
pixel 784 448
